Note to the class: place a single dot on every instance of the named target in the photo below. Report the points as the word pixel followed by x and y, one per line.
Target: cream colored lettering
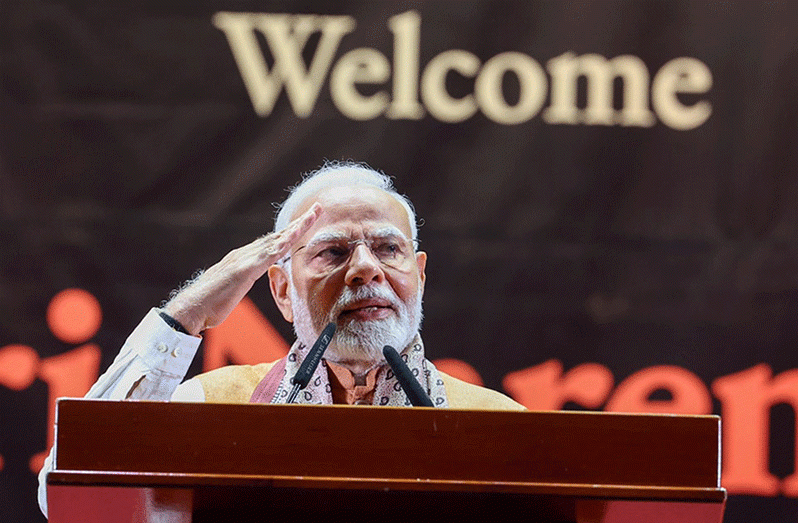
pixel 439 102
pixel 287 37
pixel 360 66
pixel 681 75
pixel 533 87
pixel 600 73
pixel 406 28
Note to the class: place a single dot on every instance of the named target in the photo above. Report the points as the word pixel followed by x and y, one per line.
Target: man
pixel 343 251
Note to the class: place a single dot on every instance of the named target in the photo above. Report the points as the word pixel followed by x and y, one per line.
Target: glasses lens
pixel 391 251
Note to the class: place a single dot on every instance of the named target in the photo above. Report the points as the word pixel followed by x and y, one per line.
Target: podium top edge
pixel 581 413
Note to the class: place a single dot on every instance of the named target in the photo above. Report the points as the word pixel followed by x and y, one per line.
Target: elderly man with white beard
pixel 343 250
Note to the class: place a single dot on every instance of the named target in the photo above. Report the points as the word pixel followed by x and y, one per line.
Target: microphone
pixel 417 396
pixel 308 367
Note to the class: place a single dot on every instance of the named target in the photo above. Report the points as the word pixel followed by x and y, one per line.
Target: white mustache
pixel 350 296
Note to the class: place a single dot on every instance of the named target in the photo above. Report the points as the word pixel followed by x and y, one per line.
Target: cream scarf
pixel 387 391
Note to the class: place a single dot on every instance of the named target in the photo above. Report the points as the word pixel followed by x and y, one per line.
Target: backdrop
pixel 608 194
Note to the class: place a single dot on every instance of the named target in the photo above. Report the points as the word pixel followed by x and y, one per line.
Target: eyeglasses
pixel 328 254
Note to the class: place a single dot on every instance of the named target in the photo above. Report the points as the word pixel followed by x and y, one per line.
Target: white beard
pixel 359 341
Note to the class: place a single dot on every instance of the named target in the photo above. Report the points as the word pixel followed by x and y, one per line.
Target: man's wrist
pixel 176 325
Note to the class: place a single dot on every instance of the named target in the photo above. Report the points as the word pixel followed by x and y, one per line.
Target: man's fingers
pixel 302 224
pixel 211 297
pixel 276 245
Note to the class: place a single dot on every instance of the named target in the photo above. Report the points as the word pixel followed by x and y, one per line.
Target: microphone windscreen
pixel 417 396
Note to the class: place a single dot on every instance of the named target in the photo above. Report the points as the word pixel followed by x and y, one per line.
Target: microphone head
pixel 389 353
pixel 415 393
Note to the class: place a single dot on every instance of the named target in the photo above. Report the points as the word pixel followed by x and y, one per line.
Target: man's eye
pixel 387 249
pixel 332 253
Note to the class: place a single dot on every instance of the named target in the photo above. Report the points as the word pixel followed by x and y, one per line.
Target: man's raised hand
pixel 212 296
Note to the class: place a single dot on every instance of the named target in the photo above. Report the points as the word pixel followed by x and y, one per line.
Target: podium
pixel 136 461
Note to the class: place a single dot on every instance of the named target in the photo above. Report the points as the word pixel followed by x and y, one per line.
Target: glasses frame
pixel 415 243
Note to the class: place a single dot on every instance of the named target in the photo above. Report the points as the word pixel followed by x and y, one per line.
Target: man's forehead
pixel 357 207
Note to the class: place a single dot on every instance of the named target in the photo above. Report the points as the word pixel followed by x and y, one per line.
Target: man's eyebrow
pixel 387 231
pixel 323 237
pixel 337 236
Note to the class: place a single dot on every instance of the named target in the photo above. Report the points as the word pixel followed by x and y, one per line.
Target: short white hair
pixel 340 174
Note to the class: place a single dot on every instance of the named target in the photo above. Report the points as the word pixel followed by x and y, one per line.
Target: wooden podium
pixel 134 461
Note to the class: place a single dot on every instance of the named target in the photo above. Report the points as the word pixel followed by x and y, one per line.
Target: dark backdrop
pixel 132 153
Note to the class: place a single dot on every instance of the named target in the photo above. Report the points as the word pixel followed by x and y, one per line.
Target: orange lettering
pixel 543 387
pixel 74 315
pixel 18 366
pixel 747 398
pixel 689 394
pixel 246 337
pixel 460 370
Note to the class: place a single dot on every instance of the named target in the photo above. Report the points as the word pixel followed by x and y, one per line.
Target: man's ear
pixel 421 261
pixel 279 283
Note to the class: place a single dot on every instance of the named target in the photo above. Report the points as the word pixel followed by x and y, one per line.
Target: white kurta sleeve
pixel 151 364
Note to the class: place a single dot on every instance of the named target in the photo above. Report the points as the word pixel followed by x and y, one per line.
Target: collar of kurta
pixel 332 383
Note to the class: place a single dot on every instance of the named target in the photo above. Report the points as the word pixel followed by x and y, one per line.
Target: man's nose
pixel 363 267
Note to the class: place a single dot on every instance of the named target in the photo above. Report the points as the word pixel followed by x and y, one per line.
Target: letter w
pixel 286 36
